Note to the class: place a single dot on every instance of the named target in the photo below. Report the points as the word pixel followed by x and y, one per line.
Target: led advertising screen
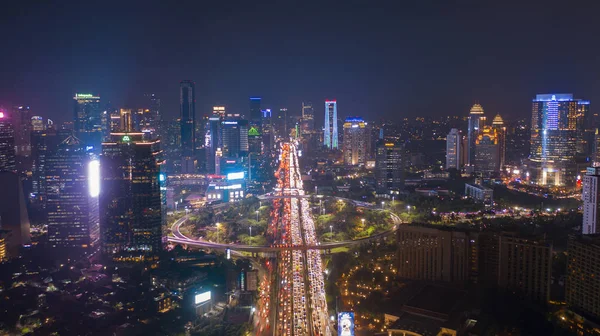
pixel 94 178
pixel 203 297
pixel 346 324
pixel 235 176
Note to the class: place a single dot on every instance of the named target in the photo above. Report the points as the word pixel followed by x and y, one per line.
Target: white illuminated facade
pixel 331 128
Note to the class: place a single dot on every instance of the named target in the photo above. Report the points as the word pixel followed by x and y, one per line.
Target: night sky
pixel 391 60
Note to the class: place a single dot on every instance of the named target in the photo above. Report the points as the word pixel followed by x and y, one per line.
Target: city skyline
pixel 385 72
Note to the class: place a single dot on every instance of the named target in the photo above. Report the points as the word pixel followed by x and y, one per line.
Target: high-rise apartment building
pixel 7 143
pixel 583 283
pixel 591 201
pixel 187 101
pixel 453 152
pixel 487 150
pixel 554 139
pixel 476 122
pixel 356 141
pixel 88 119
pixel 67 195
pixel 389 166
pixel 525 267
pixel 130 200
pixel 435 253
pixel 330 137
pixel 21 118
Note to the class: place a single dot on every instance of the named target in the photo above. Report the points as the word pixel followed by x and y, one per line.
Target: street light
pixel 408 208
pixel 331 231
pixel 250 230
pixel 382 204
pixel 363 221
pixel 256 215
pixel 176 206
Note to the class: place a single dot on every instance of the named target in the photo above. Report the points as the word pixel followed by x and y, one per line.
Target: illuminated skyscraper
pixel 330 138
pixel 67 195
pixel 498 126
pixel 554 139
pixel 213 140
pixel 234 135
pixel 356 140
pixel 389 166
pixel 187 100
pixel 21 118
pixel 43 143
pixel 7 143
pixel 88 119
pixel 476 121
pixel 307 123
pixel 453 154
pixel 130 203
pixel 487 150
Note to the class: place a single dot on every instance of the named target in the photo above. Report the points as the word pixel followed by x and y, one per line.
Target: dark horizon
pixel 392 61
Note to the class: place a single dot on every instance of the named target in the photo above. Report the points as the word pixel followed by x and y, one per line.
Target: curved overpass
pixel 180 238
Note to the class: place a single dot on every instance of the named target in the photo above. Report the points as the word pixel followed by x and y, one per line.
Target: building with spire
pixel 476 122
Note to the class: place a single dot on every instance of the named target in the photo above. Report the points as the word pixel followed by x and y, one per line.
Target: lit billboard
pixel 94 178
pixel 202 297
pixel 235 176
pixel 346 324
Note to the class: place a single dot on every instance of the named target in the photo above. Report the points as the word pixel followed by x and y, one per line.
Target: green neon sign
pixel 126 138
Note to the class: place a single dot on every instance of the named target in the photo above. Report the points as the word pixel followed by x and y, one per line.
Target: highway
pixel 299 302
pixel 292 291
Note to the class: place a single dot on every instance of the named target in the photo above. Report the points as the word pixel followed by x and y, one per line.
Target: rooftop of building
pixel 478 186
pixel 476 109
pixel 433 307
pixel 498 120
